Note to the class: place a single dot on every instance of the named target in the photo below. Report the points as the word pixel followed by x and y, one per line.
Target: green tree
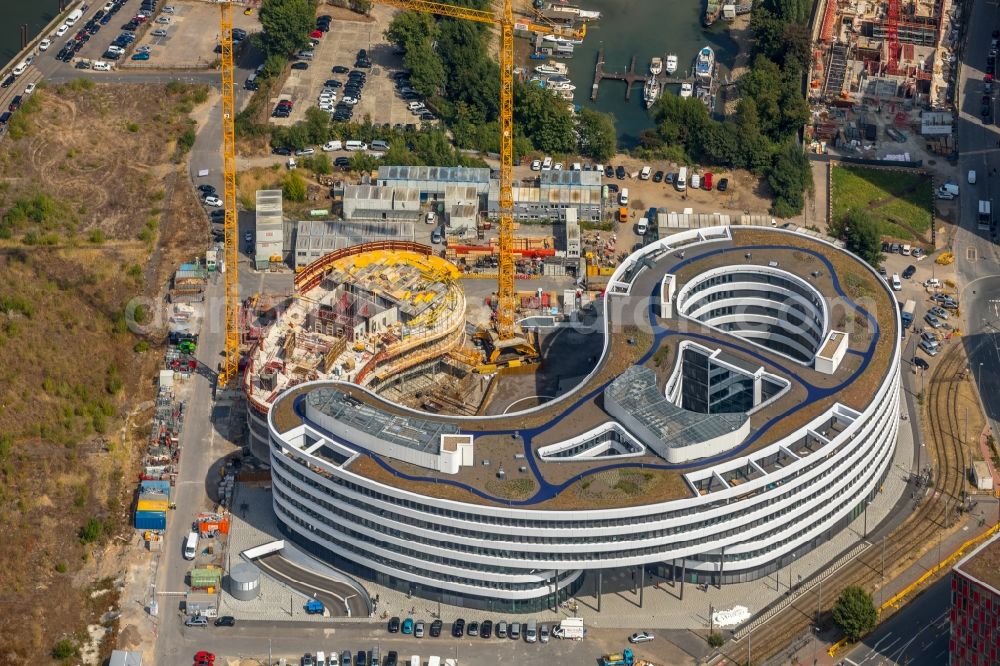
pixel 416 33
pixel 294 187
pixel 317 124
pixel 287 24
pixel 320 164
pixel 544 119
pixel 789 177
pixel 855 612
pixel 861 234
pixel 363 162
pixel 598 138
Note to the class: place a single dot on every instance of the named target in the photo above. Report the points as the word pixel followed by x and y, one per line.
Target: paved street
pixel 918 634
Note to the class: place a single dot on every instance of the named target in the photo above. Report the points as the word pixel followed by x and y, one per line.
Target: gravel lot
pixel 348 34
pixel 192 34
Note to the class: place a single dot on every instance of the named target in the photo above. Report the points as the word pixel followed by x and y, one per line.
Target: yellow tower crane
pixel 230 365
pixel 509 339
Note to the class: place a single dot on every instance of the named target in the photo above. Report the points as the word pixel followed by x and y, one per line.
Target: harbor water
pixel 644 28
pixel 14 14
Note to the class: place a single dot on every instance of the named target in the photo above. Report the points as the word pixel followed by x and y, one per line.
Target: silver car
pixel 196 621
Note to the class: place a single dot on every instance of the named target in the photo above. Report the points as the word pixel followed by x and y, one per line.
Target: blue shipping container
pixel 155 486
pixel 150 520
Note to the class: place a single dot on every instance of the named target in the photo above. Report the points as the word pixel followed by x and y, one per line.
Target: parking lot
pixel 913 288
pixel 192 35
pixel 348 34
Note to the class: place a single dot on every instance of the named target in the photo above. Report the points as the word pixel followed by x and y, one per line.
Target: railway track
pixel 907 543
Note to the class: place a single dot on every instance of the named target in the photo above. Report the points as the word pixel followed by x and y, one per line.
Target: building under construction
pixel 389 316
pixel 894 55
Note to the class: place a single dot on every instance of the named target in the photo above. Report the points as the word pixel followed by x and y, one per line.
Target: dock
pixel 629 76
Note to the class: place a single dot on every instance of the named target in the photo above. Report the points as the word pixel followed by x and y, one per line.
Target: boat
pixel 558 79
pixel 651 91
pixel 712 10
pixel 687 90
pixel 552 69
pixel 562 41
pixel 571 12
pixel 565 94
pixel 671 65
pixel 655 66
pixel 561 86
pixel 704 64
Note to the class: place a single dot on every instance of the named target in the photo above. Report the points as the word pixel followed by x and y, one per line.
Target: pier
pixel 629 77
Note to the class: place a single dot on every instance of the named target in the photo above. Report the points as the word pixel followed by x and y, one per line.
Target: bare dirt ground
pixel 97 214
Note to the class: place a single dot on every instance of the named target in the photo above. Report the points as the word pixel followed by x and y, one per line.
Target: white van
pixel 380 145
pixel 320 658
pixel 355 145
pixel 682 179
pixel 433 661
pixel 191 546
pixel 896 284
pixel 644 174
pixel 415 660
pixel 531 632
pixel 73 17
pixel 695 181
pixel 623 197
pixel 642 227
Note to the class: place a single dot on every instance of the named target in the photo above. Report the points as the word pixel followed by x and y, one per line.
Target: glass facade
pixel 710 388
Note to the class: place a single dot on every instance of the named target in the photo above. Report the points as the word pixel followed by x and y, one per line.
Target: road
pixel 977 258
pixel 917 634
pixel 337 597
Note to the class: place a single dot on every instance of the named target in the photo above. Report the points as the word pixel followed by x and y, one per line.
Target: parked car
pixel 305 151
pixel 929 349
pixel 536 165
pixel 300 65
pixel 620 172
pixel 407 627
pixel 657 178
pixel 921 363
pixel 933 321
pixel 472 629
pixel 486 629
pixel 140 56
pixel 939 312
pixel 435 630
pixel 212 200
pixel 159 32
pixel 908 272
pixel 196 621
pixel 44 44
pixel 458 628
pixel 418 629
pixel 640 637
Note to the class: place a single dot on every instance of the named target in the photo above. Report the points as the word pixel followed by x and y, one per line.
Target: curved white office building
pixel 744 409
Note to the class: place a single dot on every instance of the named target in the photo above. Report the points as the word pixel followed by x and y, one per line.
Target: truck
pixel 570 628
pixel 907 313
pixel 624 658
pixel 985 214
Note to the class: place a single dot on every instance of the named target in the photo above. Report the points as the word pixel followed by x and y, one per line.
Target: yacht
pixel 687 90
pixel 560 86
pixel 551 68
pixel 671 65
pixel 650 91
pixel 556 39
pixel 656 66
pixel 558 79
pixel 704 65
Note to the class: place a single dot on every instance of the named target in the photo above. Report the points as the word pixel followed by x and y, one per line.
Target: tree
pixel 855 612
pixel 416 34
pixel 789 177
pixel 320 164
pixel 598 138
pixel 861 234
pixel 317 125
pixel 544 119
pixel 294 187
pixel 287 24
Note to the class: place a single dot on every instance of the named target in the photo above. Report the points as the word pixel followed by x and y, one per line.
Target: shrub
pixel 65 648
pixel 96 237
pixel 90 532
pixel 716 640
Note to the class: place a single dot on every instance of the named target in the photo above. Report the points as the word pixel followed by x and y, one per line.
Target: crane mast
pixel 230 364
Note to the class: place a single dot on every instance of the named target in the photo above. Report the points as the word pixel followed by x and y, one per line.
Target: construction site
pixel 881 71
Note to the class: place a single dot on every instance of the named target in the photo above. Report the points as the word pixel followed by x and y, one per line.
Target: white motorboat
pixel 556 39
pixel 687 90
pixel 552 68
pixel 561 86
pixel 704 65
pixel 558 79
pixel 655 66
pixel 671 65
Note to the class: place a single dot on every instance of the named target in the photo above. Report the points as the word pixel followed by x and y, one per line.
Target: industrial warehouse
pixel 739 419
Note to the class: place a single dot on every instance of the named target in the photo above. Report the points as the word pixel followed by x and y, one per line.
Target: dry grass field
pixel 95 210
